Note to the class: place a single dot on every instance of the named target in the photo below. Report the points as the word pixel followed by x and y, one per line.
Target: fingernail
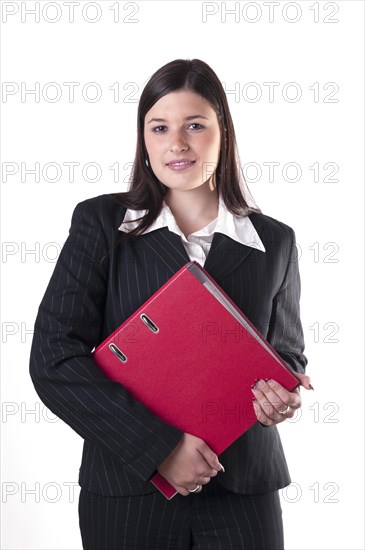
pixel 222 467
pixel 311 387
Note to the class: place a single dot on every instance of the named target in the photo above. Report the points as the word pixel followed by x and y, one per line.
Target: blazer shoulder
pixel 108 208
pixel 273 226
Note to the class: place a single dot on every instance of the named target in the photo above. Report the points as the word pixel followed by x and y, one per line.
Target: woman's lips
pixel 180 166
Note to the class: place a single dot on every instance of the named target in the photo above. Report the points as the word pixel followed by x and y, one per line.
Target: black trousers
pixel 213 519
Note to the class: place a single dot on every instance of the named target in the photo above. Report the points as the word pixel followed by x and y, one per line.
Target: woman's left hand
pixel 273 403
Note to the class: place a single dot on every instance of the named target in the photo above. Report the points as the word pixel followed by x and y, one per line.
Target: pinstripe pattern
pixel 214 519
pixel 85 301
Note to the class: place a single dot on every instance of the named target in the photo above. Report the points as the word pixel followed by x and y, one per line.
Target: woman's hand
pixel 191 463
pixel 273 403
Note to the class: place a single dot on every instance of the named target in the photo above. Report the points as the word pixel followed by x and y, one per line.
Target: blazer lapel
pixel 225 255
pixel 163 247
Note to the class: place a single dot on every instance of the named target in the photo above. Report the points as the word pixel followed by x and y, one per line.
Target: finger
pixel 210 458
pixel 293 399
pixel 212 461
pixel 193 487
pixel 277 395
pixel 264 418
pixel 184 492
pixel 305 381
pixel 204 480
pixel 270 401
pixel 265 394
pixel 266 414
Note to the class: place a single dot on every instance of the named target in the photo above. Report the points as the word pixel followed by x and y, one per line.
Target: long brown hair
pixel 146 192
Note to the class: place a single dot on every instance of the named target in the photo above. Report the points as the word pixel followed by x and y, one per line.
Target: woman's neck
pixel 194 208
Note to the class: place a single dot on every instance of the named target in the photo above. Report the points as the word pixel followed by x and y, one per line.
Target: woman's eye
pixel 157 128
pixel 196 124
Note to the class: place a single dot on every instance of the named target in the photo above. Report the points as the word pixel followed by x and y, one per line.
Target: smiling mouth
pixel 183 163
pixel 181 166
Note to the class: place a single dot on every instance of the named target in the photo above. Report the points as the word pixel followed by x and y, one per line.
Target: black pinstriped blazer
pixel 87 299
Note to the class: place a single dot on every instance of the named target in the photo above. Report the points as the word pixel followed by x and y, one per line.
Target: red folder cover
pixel 190 355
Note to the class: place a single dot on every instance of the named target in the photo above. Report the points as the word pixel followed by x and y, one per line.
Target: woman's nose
pixel 178 142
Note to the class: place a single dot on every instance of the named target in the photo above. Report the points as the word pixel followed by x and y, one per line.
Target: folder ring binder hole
pixel 150 324
pixel 118 353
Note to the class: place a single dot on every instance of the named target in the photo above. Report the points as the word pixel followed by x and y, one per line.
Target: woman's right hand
pixel 191 463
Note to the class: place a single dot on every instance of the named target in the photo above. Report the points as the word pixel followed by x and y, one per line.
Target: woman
pixel 186 201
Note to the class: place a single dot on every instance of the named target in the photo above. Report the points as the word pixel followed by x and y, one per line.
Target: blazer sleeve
pixel 285 332
pixel 64 374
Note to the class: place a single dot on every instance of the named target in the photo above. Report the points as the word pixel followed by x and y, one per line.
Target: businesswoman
pixel 186 201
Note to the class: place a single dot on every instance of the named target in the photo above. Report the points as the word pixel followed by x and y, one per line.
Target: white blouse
pixel 198 243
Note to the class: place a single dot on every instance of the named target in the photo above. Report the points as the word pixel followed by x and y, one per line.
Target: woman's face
pixel 182 126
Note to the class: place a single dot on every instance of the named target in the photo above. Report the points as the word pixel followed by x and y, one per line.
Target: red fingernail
pixel 311 387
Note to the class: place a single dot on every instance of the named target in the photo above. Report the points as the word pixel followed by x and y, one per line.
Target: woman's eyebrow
pixel 186 118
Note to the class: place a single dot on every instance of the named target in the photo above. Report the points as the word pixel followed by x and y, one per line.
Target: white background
pixel 323 508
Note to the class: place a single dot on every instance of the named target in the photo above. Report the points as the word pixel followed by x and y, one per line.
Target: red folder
pixel 190 355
